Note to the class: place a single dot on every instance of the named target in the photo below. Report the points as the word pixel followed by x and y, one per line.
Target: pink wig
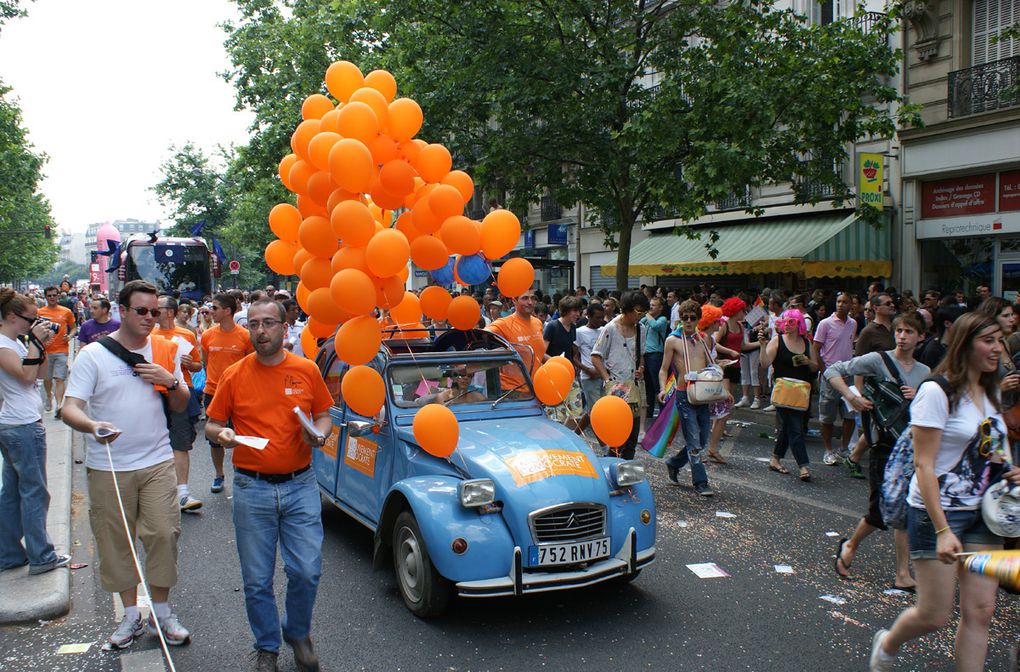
pixel 793 315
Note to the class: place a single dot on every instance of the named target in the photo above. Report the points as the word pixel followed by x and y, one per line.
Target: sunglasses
pixel 142 312
pixel 639 311
pixel 689 318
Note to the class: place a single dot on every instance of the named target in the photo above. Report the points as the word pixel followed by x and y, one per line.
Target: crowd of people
pixel 698 354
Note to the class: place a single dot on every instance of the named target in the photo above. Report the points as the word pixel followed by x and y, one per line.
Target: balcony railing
pixel 867 21
pixel 551 210
pixel 657 213
pixel 816 188
pixel 984 88
pixel 734 201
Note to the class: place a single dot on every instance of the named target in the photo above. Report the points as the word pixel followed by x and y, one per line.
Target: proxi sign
pixel 869 180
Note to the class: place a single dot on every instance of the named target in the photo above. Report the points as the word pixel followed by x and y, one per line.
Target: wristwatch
pixel 176 384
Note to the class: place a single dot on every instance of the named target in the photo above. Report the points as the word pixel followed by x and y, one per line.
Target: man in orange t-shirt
pixel 55 370
pixel 276 496
pixel 222 345
pixel 182 423
pixel 521 328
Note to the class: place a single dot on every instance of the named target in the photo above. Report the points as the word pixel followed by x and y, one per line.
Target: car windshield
pixel 456 383
pixel 172 268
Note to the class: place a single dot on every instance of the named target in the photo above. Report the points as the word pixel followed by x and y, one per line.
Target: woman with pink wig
pixel 790 354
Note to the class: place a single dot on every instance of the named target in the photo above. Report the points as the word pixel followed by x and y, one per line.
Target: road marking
pixel 150 660
pixel 775 492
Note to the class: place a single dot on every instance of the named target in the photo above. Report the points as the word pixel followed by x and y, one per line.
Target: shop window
pixel 961 263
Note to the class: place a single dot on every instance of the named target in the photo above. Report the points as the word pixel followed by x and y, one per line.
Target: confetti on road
pixel 681 523
pixel 830 533
pixel 835 599
pixel 895 591
pixel 74 648
pixel 78 565
pixel 783 569
pixel 725 514
pixel 763 459
pixel 847 619
pixel 708 570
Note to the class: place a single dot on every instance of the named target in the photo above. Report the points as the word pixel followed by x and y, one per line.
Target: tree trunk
pixel 623 253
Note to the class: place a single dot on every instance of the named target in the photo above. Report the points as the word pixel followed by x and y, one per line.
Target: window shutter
pixel 991 17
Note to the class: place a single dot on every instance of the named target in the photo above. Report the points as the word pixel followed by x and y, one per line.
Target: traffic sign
pixel 234 266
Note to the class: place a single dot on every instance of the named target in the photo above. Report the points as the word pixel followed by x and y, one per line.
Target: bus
pixel 181 266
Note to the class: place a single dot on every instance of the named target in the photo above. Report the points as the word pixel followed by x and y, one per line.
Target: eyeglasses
pixel 268 323
pixel 30 320
pixel 689 318
pixel 142 312
pixel 884 303
pixel 639 311
pixel 51 296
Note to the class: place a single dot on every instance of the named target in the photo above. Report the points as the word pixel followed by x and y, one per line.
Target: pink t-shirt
pixel 835 339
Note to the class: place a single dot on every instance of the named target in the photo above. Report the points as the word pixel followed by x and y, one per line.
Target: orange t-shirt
pixel 260 399
pixel 520 332
pixel 63 318
pixel 186 334
pixel 223 348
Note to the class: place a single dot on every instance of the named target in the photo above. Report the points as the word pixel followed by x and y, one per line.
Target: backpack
pixel 898 472
pixel 890 414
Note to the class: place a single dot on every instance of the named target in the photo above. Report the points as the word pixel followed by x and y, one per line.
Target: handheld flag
pixel 218 250
pixel 196 228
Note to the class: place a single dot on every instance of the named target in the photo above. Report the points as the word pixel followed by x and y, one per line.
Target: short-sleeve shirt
pixel 520 332
pixel 20 404
pixel 92 331
pixel 181 332
pixel 259 401
pixel 223 348
pixel 586 337
pixel 835 339
pixel 657 329
pixel 561 340
pixel 874 338
pixel 962 468
pixel 618 352
pixel 63 318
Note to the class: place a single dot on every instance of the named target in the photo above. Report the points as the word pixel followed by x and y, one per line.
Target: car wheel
pixel 425 591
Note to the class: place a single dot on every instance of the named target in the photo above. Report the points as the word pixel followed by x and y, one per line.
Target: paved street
pixel 756 619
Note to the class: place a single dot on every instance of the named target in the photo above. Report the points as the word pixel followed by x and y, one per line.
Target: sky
pixel 107 86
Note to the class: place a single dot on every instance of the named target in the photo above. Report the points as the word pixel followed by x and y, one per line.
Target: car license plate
pixel 568 554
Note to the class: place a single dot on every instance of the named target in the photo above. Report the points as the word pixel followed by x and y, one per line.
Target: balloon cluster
pixel 354 162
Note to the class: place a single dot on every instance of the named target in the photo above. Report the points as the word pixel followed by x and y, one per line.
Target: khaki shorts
pixel 154 516
pixel 56 365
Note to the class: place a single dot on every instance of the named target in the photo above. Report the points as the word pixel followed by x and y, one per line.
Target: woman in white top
pixel 959 437
pixel 24 500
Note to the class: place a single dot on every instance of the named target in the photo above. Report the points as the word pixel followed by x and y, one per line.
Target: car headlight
pixel 628 473
pixel 477 492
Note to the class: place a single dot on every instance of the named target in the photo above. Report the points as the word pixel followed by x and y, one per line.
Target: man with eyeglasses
pixel 276 495
pixel 182 424
pixel 57 348
pixel 139 463
pixel 223 344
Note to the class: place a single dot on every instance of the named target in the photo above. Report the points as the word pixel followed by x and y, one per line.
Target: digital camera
pixel 53 326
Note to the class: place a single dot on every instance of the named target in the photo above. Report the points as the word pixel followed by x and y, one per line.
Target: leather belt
pixel 271 478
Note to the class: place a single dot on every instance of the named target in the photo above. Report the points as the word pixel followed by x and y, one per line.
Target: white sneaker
pixel 174 633
pixel 126 633
pixel 770 408
pixel 742 403
pixel 189 503
pixel 755 405
pixel 880 661
pixel 49 405
pixel 830 458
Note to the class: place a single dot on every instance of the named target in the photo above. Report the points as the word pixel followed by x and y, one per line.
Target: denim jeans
pixel 289 513
pixel 653 362
pixel 791 435
pixel 697 428
pixel 24 500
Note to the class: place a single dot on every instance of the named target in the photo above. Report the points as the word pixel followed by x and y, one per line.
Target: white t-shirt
pixel 674 316
pixel 20 399
pixel 962 471
pixel 585 341
pixel 114 394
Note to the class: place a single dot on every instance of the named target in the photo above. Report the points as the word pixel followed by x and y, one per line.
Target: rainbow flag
pixel 758 303
pixel 660 435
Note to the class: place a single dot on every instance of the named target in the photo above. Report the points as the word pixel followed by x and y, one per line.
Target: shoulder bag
pixel 628 390
pixel 705 386
pixel 791 393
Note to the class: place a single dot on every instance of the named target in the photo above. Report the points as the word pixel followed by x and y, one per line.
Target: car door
pixel 326 460
pixel 364 459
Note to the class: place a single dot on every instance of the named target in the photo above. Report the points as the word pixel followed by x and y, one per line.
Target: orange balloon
pixel 445 201
pixel 612 420
pixel 300 173
pixel 383 82
pixel 374 100
pixel 384 199
pixel 303 134
pixel 500 232
pixel 316 236
pixel 406 227
pixel 414 330
pixel 319 146
pixel 409 150
pixel 328 123
pixel 307 207
pixel 364 391
pixel 301 257
pixel 433 162
pixel 301 294
pixel 387 252
pixel 286 163
pixel 383 149
pixel 389 292
pixel 429 253
pixel 315 106
pixel 284 220
pixel 397 177
pixel 463 312
pixel 515 277
pixel 358 340
pixel 435 301
pixel 337 196
pixel 322 307
pixel 349 257
pixel 560 360
pixel 318 328
pixel 309 346
pixel 358 120
pixel 402 274
pixel 353 223
pixel 280 257
pixel 405 119
pixel 436 430
pixel 552 384
pixel 353 291
pixel 462 182
pixel 320 187
pixel 407 311
pixel 342 79
pixel 351 164
pixel 316 273
pixel 461 235
pixel 423 218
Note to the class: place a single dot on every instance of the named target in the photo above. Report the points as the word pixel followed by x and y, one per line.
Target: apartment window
pixel 828 11
pixel 990 18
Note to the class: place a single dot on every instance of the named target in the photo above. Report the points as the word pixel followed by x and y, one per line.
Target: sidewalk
pixel 29 598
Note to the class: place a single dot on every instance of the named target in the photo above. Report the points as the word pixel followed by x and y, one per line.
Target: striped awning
pixel 821 246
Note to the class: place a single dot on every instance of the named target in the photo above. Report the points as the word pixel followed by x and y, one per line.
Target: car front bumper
pixel 521 582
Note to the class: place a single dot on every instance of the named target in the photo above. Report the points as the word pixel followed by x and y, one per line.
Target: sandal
pixel 805 475
pixel 778 468
pixel 840 561
pixel 716 457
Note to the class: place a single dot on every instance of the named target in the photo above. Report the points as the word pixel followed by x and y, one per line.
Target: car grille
pixel 572 522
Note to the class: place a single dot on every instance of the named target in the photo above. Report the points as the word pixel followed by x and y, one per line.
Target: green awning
pixel 820 246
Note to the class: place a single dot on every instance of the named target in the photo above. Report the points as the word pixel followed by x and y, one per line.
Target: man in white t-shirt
pixel 591 383
pixel 140 462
